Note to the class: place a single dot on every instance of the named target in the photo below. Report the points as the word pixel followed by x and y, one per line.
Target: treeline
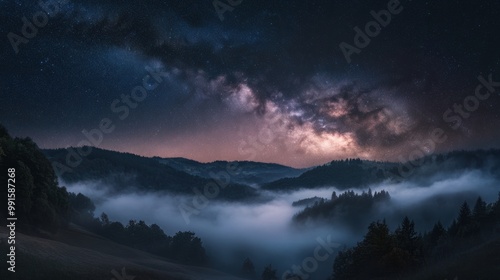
pixel 356 173
pixel 183 247
pixel 384 254
pixel 40 204
pixel 248 271
pixel 123 170
pixel 343 174
pixel 308 202
pixel 347 207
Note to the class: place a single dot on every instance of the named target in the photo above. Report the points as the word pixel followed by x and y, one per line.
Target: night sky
pixel 267 83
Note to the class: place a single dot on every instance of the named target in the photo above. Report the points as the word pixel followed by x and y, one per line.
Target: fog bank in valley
pixel 232 231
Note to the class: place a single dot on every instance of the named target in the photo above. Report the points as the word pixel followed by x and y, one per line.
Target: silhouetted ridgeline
pixel 345 208
pixel 127 171
pixel 308 202
pixel 343 174
pixel 249 172
pixel 356 173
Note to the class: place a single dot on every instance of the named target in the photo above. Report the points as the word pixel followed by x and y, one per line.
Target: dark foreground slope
pixel 482 263
pixel 76 254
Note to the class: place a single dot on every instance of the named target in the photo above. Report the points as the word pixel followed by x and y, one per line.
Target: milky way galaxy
pixel 267 83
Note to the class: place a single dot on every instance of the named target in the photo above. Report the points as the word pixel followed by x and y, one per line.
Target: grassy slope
pixel 76 254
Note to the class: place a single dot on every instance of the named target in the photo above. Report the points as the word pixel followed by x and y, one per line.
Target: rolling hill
pixel 124 171
pixel 356 173
pixel 76 254
pixel 250 173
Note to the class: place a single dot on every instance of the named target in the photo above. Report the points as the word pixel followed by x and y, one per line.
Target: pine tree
pixel 466 228
pixel 480 211
pixel 104 219
pixel 453 229
pixel 334 195
pixel 436 233
pixel 406 236
pixel 248 269
pixel 269 273
pixel 496 209
pixel 465 215
pixel 343 265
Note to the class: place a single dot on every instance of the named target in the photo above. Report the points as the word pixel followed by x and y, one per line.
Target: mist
pixel 264 231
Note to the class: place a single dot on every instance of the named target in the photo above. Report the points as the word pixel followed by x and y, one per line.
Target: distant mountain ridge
pixel 180 175
pixel 125 170
pixel 251 173
pixel 356 173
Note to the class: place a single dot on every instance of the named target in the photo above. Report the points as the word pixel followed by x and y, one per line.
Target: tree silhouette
pixel 40 202
pixel 406 236
pixel 343 266
pixel 465 214
pixel 248 269
pixel 464 221
pixel 480 215
pixel 437 232
pixel 381 253
pixel 104 219
pixel 269 273
pixel 187 248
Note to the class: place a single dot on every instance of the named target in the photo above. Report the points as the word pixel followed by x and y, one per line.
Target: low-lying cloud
pixel 232 231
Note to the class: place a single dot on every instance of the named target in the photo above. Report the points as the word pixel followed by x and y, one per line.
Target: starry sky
pixel 263 81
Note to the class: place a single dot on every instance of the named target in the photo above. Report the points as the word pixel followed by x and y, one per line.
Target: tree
pixel 24 190
pixel 453 229
pixel 436 234
pixel 334 195
pixel 465 215
pixel 408 247
pixel 269 273
pixel 480 215
pixel 82 211
pixel 81 204
pixel 480 210
pixel 104 219
pixel 248 269
pixel 40 202
pixel 464 222
pixel 378 239
pixel 406 236
pixel 343 265
pixel 187 248
pixel 495 210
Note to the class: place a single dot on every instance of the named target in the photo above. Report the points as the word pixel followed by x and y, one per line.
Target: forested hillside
pixel 123 171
